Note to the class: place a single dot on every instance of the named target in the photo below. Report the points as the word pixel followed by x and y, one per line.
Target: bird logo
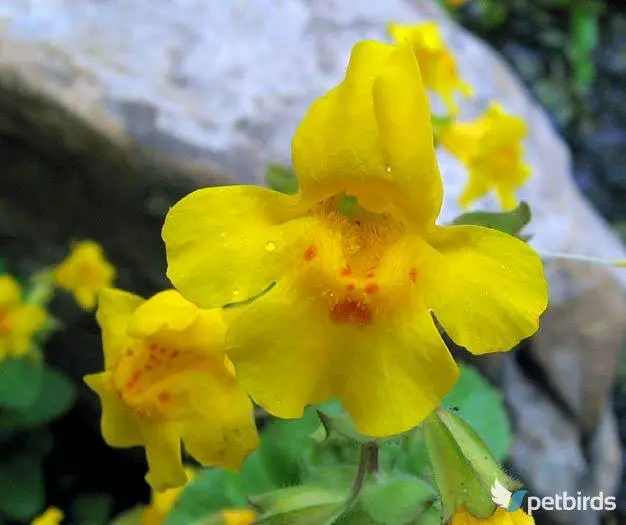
pixel 503 497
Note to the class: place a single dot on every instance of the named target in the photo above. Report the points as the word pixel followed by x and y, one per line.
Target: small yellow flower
pixel 500 517
pixel 437 64
pixel 85 272
pixel 166 378
pixel 491 149
pixel 51 516
pixel 357 261
pixel 239 517
pixel 19 321
pixel 162 503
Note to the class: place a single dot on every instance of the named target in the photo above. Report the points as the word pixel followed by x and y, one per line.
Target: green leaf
pixel 56 396
pixel 482 406
pixel 511 222
pixel 205 495
pixel 281 179
pixel 20 382
pixel 92 509
pixel 304 505
pixel 356 516
pixel 22 486
pixel 397 500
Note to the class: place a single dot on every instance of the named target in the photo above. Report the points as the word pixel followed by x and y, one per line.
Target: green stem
pixel 368 464
pixel 620 263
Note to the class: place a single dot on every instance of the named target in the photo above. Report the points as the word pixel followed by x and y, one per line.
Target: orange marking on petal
pixel 413 275
pixel 174 354
pixel 133 379
pixel 346 271
pixel 153 346
pixel 370 275
pixel 129 352
pixel 350 287
pixel 148 368
pixel 371 288
pixel 164 397
pixel 351 311
pixel 310 253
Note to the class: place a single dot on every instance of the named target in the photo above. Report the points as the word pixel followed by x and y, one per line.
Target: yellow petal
pixel 224 433
pixel 226 244
pixel 114 312
pixel 166 310
pixel 371 137
pixel 52 516
pixel 487 288
pixel 389 375
pixel 500 517
pixel 10 291
pixel 120 427
pixel 164 457
pixel 239 517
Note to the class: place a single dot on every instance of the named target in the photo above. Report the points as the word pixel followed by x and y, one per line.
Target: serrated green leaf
pixel 482 406
pixel 22 486
pixel 281 179
pixel 20 382
pixel 511 222
pixel 92 509
pixel 55 397
pixel 397 500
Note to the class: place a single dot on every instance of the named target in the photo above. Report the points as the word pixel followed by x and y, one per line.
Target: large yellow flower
pixel 437 63
pixel 19 321
pixel 166 378
pixel 491 148
pixel 358 261
pixel 85 272
pixel 52 516
pixel 500 517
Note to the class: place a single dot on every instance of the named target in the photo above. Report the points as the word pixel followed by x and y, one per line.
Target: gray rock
pixel 224 84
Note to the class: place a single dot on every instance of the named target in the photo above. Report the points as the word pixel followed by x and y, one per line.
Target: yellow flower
pixel 19 321
pixel 166 378
pixel 85 272
pixel 162 503
pixel 437 64
pixel 239 517
pixel 52 516
pixel 491 148
pixel 501 517
pixel 358 261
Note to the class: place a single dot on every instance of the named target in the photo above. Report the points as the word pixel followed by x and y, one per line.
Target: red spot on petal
pixel 310 253
pixel 174 354
pixel 371 288
pixel 370 275
pixel 164 397
pixel 148 368
pixel 346 271
pixel 129 352
pixel 350 287
pixel 134 378
pixel 153 346
pixel 154 358
pixel 413 275
pixel 351 311
pixel 163 350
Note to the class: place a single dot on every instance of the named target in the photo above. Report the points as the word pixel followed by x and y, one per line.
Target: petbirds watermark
pixel 512 501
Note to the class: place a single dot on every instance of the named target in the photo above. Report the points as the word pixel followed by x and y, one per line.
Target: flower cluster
pixel 339 291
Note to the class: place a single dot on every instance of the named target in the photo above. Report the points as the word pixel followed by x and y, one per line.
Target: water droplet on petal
pixel 388 170
pixel 235 292
pixel 270 246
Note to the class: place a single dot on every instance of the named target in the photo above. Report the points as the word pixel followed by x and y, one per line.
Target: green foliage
pixel 304 470
pixel 92 509
pixel 281 179
pixel 20 382
pixel 482 407
pixel 584 29
pixel 22 486
pixel 511 222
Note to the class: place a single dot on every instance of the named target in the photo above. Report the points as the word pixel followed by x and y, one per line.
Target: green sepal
pixel 463 467
pixel 281 179
pixel 303 505
pixel 511 222
pixel 439 123
pixel 397 499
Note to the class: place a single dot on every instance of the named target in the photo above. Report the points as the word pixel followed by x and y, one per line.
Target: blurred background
pixel 110 111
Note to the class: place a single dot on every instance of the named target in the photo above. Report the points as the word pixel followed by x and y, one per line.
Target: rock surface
pixel 224 84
